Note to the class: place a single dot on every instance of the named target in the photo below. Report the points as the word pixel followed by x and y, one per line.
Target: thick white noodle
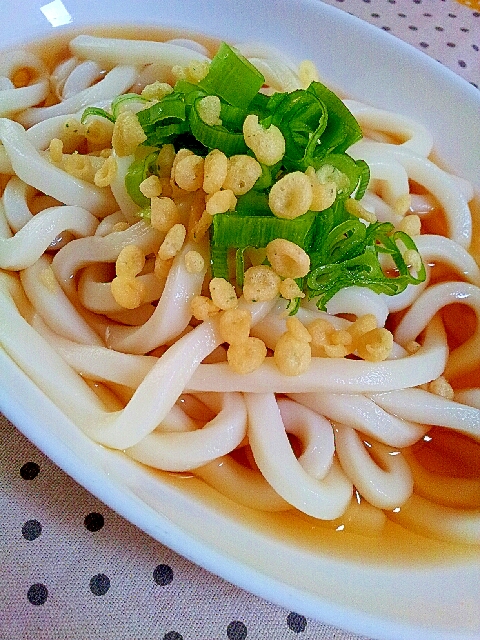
pixel 186 43
pixel 438 521
pixel 124 201
pixel 95 292
pixel 324 499
pixel 108 223
pixel 434 248
pixel 113 51
pixel 85 251
pixel 391 174
pixel 469 396
pixel 37 171
pixel 117 81
pixel 264 51
pixel 386 486
pixel 359 301
pixel 31 241
pixel 15 201
pixel 40 136
pixel 5 231
pixel 82 77
pixel 427 408
pixel 362 413
pixel 278 76
pixel 14 99
pixel 148 407
pixel 314 432
pixel 417 138
pixel 48 299
pixel 241 484
pixel 61 73
pixel 467 355
pixel 96 362
pixel 177 421
pixel 172 313
pixel 274 324
pixel 41 363
pixel 453 492
pixel 188 450
pixel 438 182
pixel 406 298
pixel 383 211
pixel 332 374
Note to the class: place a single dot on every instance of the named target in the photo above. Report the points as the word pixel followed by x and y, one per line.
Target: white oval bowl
pixel 388 600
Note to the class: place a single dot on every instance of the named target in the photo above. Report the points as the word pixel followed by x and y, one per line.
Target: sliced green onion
pixel 96 111
pixel 232 117
pixel 136 174
pixel 235 231
pixel 171 106
pixel 344 171
pixel 349 257
pixel 215 136
pixel 363 180
pixel 318 129
pixel 240 266
pixel 121 100
pixel 339 119
pixel 169 132
pixel 232 77
pixel 253 203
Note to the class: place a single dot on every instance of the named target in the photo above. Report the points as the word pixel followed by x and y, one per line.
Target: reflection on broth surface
pixel 353 425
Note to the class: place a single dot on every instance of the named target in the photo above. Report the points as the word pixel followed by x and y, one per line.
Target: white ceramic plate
pixel 417 595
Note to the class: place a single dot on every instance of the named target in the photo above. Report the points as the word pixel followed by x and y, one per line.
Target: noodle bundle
pixel 110 303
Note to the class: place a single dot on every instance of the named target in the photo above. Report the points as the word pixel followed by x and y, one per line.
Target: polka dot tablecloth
pixel 70 568
pixel 447 31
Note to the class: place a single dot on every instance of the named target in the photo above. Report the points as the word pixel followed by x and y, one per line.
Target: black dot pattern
pixel 172 635
pixel 99 584
pixel 37 594
pixel 163 574
pixel 94 521
pixel 31 530
pixel 29 470
pixel 451 37
pixel 236 630
pixel 296 622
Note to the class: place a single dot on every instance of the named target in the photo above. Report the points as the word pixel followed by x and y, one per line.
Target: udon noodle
pixel 345 434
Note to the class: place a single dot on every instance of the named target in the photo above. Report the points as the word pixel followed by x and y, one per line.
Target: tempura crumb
pixel 292 356
pixel 127 133
pixel 151 187
pixel 203 308
pixel 246 356
pixel 411 225
pixel 223 293
pixel 173 242
pixel 356 209
pixel 106 174
pixel 290 290
pixel 194 262
pixel 55 150
pixel 441 387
